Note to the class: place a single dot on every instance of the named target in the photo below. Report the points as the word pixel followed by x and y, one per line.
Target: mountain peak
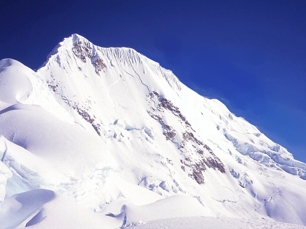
pixel 78 48
pixel 76 36
pixel 106 124
pixel 66 43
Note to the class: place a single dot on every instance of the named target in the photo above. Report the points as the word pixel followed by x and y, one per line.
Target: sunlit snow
pixel 108 138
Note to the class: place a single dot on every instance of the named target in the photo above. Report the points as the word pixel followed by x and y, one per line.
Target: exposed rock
pixel 83 50
pixel 202 156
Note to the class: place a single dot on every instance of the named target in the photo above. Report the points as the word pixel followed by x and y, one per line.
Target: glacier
pixel 120 141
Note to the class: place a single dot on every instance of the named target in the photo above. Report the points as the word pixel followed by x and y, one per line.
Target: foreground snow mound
pixel 14 82
pixel 171 207
pixel 43 209
pixel 58 142
pixel 24 207
pixel 113 130
pixel 63 212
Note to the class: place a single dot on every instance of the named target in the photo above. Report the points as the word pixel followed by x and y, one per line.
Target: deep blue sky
pixel 251 55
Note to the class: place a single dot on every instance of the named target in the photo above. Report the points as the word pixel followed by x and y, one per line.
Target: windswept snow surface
pixel 212 223
pixel 111 131
pixel 20 207
pixel 41 208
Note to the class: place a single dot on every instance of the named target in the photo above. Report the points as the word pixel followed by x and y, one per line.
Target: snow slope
pixel 111 129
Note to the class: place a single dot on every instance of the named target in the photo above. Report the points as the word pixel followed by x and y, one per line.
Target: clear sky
pixel 250 54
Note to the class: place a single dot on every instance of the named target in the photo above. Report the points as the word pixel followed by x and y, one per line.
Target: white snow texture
pixel 107 138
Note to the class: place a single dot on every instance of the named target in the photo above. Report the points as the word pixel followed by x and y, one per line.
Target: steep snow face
pixel 110 124
pixel 92 80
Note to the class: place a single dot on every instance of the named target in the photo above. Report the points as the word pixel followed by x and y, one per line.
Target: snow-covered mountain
pixel 109 130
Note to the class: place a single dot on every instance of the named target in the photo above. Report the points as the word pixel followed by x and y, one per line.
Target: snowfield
pixel 212 223
pixel 107 138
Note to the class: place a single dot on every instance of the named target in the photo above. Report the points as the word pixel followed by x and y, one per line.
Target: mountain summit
pixel 108 129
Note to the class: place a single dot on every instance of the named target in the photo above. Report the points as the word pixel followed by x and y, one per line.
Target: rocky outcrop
pixel 84 50
pixel 196 156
